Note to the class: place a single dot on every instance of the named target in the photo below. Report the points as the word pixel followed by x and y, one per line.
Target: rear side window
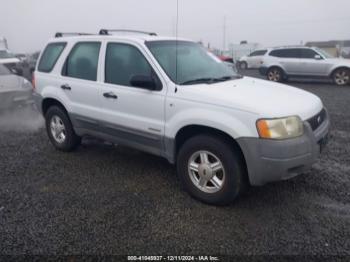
pixel 286 53
pixel 258 53
pixel 82 61
pixel 123 61
pixel 50 56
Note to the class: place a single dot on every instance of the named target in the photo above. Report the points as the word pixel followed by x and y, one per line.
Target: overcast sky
pixel 27 24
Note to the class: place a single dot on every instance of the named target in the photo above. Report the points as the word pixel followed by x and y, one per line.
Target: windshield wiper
pixel 222 79
pixel 208 80
pixel 198 80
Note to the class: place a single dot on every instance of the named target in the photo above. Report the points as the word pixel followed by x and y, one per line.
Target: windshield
pixel 5 54
pixel 324 53
pixel 194 63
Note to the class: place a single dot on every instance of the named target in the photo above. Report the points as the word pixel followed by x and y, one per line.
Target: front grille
pixel 317 120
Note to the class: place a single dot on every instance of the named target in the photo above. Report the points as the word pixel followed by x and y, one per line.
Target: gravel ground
pixel 104 200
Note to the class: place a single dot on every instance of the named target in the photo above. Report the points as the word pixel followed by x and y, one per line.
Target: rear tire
pixel 60 129
pixel 341 76
pixel 275 74
pixel 243 65
pixel 211 170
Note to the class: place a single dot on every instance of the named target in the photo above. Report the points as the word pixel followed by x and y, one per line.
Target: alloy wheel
pixel 58 130
pixel 206 171
pixel 341 77
pixel 274 75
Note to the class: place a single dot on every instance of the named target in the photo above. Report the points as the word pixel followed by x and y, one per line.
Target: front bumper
pixel 275 160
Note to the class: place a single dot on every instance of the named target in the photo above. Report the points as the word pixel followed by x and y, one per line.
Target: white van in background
pixel 253 60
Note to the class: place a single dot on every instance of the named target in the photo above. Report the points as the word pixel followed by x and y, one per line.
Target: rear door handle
pixel 110 95
pixel 66 87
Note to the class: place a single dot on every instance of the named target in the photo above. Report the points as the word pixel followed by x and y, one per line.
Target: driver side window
pixel 124 61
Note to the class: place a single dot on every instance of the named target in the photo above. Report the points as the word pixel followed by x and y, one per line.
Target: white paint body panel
pixel 232 107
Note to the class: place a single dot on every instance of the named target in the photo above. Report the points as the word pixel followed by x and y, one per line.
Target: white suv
pixel 253 60
pixel 172 98
pixel 281 63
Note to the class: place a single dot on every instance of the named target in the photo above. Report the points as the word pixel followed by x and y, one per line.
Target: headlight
pixel 280 128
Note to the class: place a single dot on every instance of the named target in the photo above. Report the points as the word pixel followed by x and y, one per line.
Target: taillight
pixel 33 81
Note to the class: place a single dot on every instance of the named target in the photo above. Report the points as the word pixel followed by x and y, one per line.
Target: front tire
pixel 275 74
pixel 211 170
pixel 341 77
pixel 60 130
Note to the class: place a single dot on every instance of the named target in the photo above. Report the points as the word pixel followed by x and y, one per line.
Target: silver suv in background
pixel 281 63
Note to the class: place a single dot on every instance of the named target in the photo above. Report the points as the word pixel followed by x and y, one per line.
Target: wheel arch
pixel 284 74
pixel 277 66
pixel 190 131
pixel 337 68
pixel 48 102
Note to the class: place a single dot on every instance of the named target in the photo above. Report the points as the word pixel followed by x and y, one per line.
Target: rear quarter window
pixel 50 56
pixel 259 53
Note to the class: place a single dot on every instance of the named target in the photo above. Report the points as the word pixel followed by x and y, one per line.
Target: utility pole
pixel 224 32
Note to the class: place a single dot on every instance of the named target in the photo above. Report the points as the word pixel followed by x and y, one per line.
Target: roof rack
pixel 60 34
pixel 107 31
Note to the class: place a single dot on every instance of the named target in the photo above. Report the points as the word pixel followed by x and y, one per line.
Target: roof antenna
pixel 177 34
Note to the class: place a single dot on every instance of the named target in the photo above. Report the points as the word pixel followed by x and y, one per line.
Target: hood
pixel 264 98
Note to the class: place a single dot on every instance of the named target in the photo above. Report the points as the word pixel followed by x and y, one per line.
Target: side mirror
pixel 318 57
pixel 143 81
pixel 17 71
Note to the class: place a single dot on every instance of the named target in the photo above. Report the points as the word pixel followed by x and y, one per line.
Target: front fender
pixel 236 124
pixel 335 67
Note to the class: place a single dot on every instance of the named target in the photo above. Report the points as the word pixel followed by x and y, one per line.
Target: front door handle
pixel 66 87
pixel 110 95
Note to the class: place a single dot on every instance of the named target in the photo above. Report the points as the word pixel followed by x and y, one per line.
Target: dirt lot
pixel 104 199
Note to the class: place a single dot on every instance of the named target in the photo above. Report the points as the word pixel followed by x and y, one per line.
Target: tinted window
pixel 123 62
pixel 286 53
pixel 254 53
pixel 50 56
pixel 82 61
pixel 258 53
pixel 308 53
